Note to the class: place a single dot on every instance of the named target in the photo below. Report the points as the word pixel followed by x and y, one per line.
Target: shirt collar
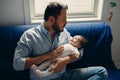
pixel 44 30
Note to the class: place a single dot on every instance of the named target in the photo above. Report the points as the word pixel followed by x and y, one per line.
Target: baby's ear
pixel 84 42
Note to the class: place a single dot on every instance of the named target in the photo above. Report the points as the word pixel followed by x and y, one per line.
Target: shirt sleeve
pixel 67 35
pixel 22 50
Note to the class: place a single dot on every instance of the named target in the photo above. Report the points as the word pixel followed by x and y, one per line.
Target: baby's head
pixel 77 41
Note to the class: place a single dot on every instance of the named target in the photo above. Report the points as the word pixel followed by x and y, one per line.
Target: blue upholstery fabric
pixel 98 49
pixel 113 74
pixel 97 52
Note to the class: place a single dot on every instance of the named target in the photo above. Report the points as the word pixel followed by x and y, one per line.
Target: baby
pixel 72 47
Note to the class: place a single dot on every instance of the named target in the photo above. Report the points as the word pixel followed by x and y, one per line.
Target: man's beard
pixel 56 28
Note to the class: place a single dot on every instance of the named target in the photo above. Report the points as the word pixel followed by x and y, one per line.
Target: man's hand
pixel 55 53
pixel 74 57
pixel 59 65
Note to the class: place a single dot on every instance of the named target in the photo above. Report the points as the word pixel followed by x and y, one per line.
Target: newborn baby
pixel 72 47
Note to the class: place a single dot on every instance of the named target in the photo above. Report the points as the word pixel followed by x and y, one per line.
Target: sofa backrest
pixel 97 52
pixel 9 37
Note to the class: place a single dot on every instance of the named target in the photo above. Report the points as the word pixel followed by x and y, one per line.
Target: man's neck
pixel 50 29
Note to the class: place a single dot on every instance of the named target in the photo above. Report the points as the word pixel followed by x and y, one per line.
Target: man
pixel 43 43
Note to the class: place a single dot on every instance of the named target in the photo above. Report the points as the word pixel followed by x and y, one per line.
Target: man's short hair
pixel 54 9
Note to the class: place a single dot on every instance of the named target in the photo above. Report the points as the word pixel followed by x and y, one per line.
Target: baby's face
pixel 75 41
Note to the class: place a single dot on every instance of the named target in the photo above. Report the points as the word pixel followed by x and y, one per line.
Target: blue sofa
pixel 97 52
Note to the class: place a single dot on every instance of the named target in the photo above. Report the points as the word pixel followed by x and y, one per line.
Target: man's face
pixel 60 22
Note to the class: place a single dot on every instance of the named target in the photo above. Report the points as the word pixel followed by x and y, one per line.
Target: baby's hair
pixel 83 41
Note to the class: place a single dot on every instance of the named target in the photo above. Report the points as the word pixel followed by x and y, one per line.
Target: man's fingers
pixel 53 61
pixel 53 64
pixel 58 51
pixel 52 69
pixel 74 56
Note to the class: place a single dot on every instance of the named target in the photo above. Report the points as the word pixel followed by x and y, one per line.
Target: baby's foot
pixel 43 73
pixel 39 73
pixel 34 67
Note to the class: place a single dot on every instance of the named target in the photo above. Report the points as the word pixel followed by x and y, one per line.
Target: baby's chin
pixel 70 42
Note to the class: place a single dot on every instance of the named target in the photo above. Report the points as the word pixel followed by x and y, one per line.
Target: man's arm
pixel 39 59
pixel 21 62
pixel 60 63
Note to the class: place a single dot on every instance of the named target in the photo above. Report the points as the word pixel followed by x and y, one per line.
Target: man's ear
pixel 51 19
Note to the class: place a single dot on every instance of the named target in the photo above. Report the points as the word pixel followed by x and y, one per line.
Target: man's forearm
pixel 70 58
pixel 39 59
pixel 35 60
